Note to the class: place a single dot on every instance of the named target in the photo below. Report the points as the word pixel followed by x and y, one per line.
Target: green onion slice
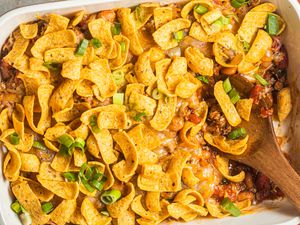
pixel 53 66
pixel 86 184
pixel 98 184
pixel 39 145
pixel 228 206
pixel 227 85
pixel 118 99
pixel 123 46
pixel 96 43
pixel 261 80
pixel 79 143
pixel 105 213
pixel 14 138
pixel 156 94
pixel 203 79
pixel 66 140
pixel 47 207
pixel 86 171
pixel 93 124
pixel 224 20
pixel 65 151
pixel 138 117
pixel 272 24
pixel 200 9
pixel 178 36
pixel 116 29
pixel 71 177
pixel 110 196
pixel 234 96
pixel 237 133
pixel 236 3
pixel 82 47
pixel 17 207
pixel 217 25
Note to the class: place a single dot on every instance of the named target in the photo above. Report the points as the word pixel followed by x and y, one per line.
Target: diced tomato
pixel 194 118
pixel 266 112
pixel 255 93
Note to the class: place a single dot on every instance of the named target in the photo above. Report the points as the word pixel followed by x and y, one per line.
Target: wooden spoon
pixel 263 152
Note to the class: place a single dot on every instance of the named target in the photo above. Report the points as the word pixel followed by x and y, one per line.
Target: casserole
pixel 64 8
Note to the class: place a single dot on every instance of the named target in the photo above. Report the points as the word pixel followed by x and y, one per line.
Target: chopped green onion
pixel 39 145
pixel 66 140
pixel 82 47
pixel 138 117
pixel 224 20
pixel 236 3
pixel 53 66
pixel 14 138
pixel 111 196
pixel 261 80
pixel 227 85
pixel 47 207
pixel 203 79
pixel 96 43
pixel 246 46
pixel 118 77
pixel 118 99
pixel 116 29
pixel 217 25
pixel 234 96
pixel 98 184
pixel 93 124
pixel 71 177
pixel 156 94
pixel 86 184
pixel 26 218
pixel 65 151
pixel 123 46
pixel 98 175
pixel 85 171
pixel 178 36
pixel 228 206
pixel 16 207
pixel 272 24
pixel 105 213
pixel 237 133
pixel 200 9
pixel 79 143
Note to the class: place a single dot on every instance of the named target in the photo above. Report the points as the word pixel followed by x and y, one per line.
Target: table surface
pixel 7 5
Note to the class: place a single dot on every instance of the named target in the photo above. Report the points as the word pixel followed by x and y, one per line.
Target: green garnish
pixel 105 213
pixel 47 207
pixel 17 207
pixel 116 28
pixel 71 177
pixel 86 184
pixel 66 140
pixel 227 85
pixel 237 133
pixel 14 138
pixel 94 125
pixel 123 46
pixel 272 24
pixel 96 43
pixel 200 9
pixel 178 36
pixel 79 143
pixel 261 80
pixel 118 99
pixel 98 184
pixel 53 66
pixel 234 96
pixel 39 145
pixel 82 47
pixel 238 3
pixel 119 77
pixel 246 46
pixel 228 206
pixel 203 79
pixel 217 25
pixel 138 117
pixel 110 196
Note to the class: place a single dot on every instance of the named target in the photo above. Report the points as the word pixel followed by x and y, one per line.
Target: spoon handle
pixel 270 160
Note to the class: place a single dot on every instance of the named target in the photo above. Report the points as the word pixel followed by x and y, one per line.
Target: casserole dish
pixel 23 15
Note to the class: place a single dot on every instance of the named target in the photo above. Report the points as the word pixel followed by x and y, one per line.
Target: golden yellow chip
pixel 62 213
pixel 29 31
pixel 30 163
pixel 57 23
pixel 198 63
pixel 162 15
pixel 59 55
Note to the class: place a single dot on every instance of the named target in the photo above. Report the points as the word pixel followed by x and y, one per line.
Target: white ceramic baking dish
pixel 279 212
